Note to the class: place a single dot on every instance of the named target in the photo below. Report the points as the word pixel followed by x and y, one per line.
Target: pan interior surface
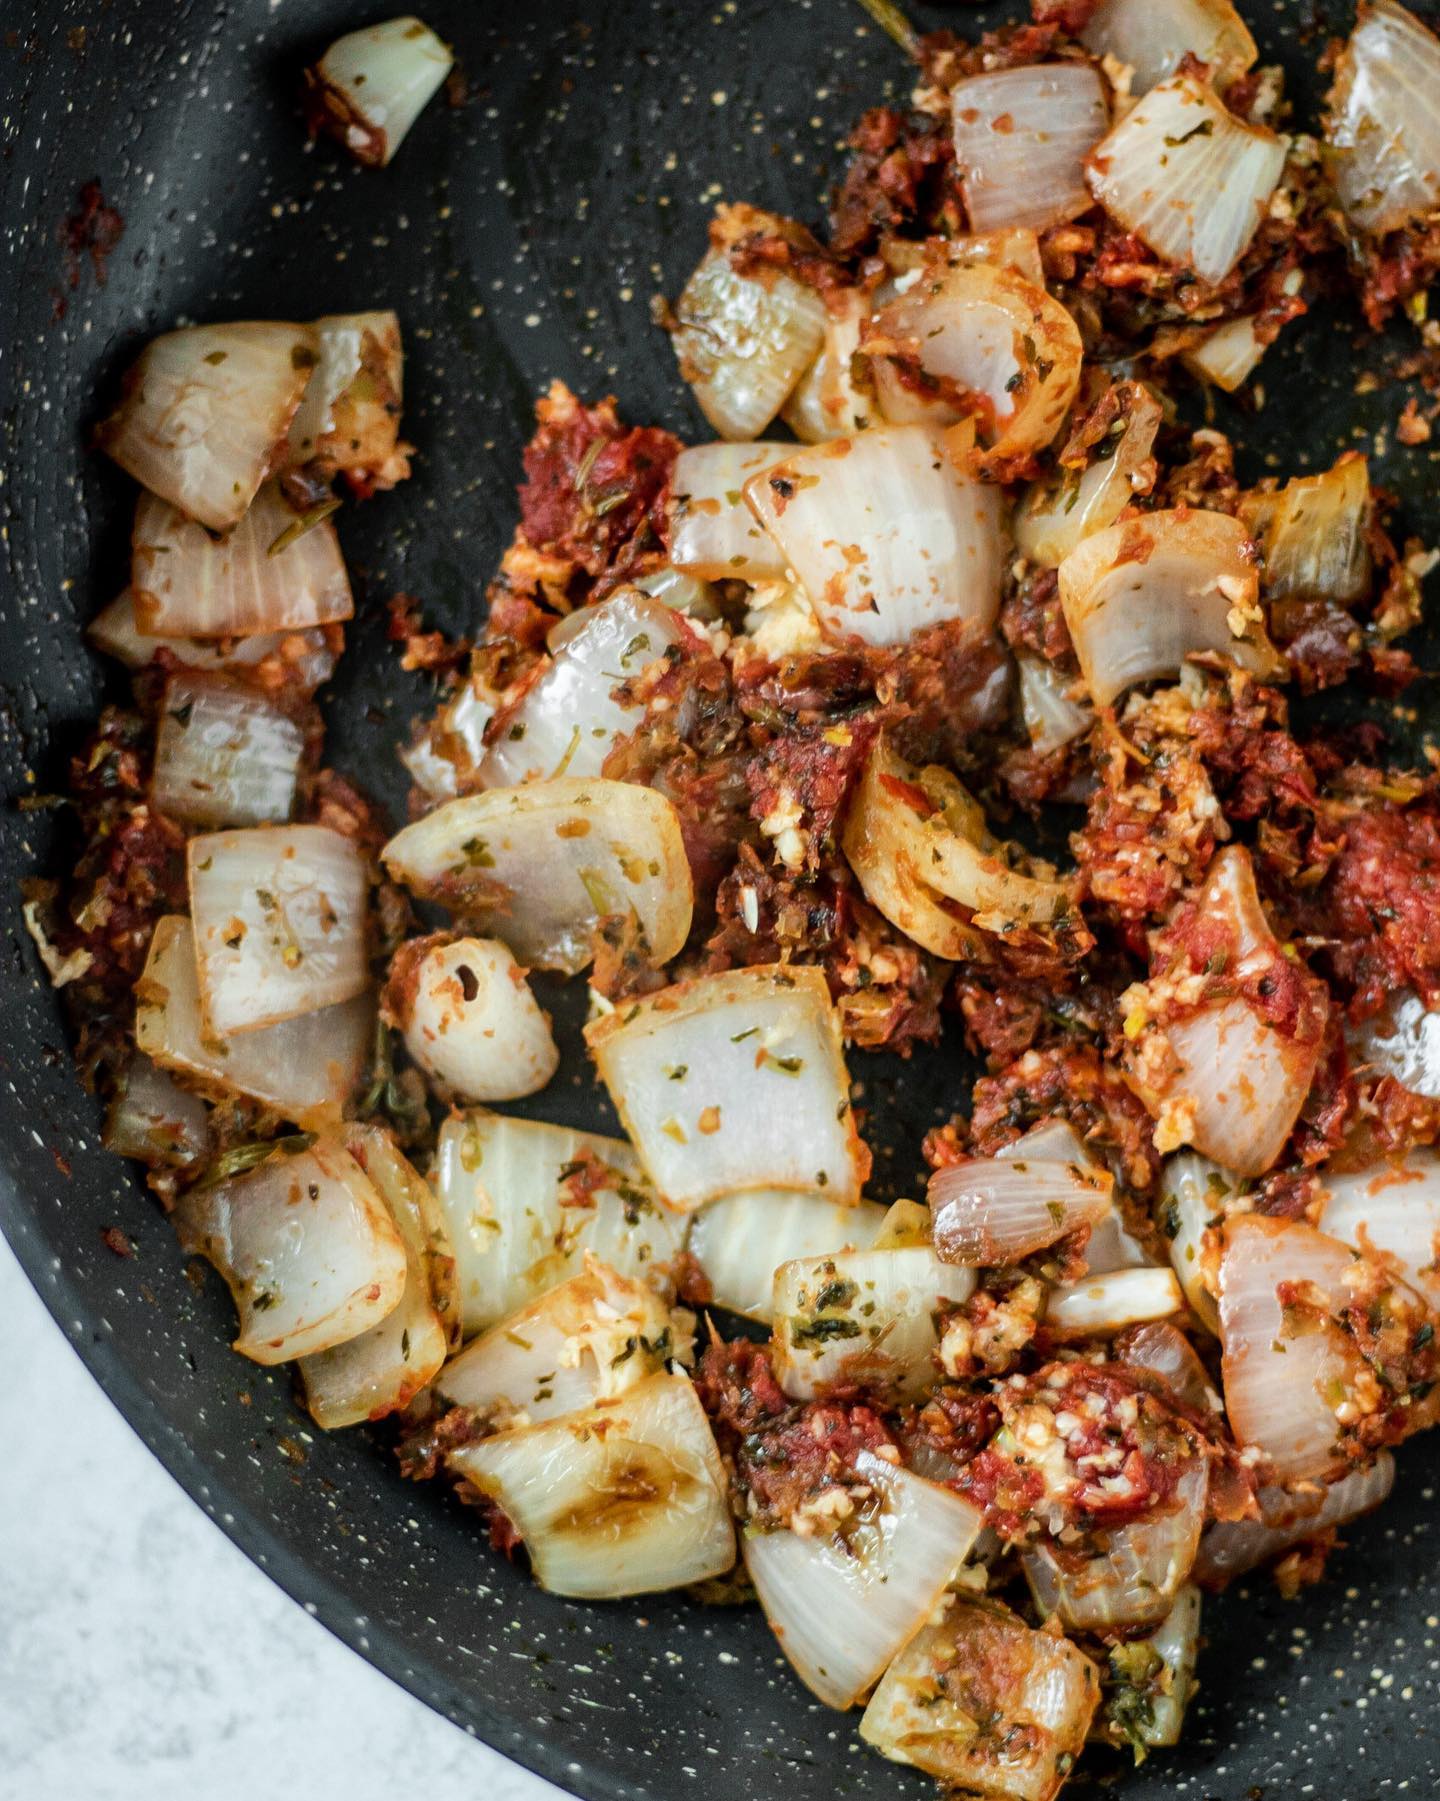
pixel 520 237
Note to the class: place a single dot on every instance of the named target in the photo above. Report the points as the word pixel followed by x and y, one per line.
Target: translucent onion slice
pixel 866 1318
pixel 591 1339
pixel 445 758
pixel 307 1247
pixel 885 535
pixel 989 1706
pixel 740 1241
pixel 1021 139
pixel 1193 1193
pixel 1392 1208
pixel 992 1211
pixel 1143 595
pixel 224 754
pixel 623 1499
pixel 844 1596
pixel 184 583
pixel 304 1069
pixel 305 659
pixel 418 1214
pixel 349 417
pixel 1052 717
pixel 385 1368
pixel 371 86
pixel 1122 1576
pixel 1109 1245
pixel 1282 1385
pixel 1382 127
pixel 1188 177
pixel 523 1202
pixel 713 533
pixel 471 1022
pixel 1103 1304
pixel 1164 1351
pixel 1228 356
pixel 744 341
pixel 1058 512
pixel 993 346
pixel 1153 1679
pixel 1232 1547
pixel 1153 37
pixel 1403 1042
pixel 826 403
pixel 925 825
pixel 202 412
pixel 567 721
pixel 280 928
pixel 154 1120
pixel 734 1081
pixel 1314 534
pixel 543 864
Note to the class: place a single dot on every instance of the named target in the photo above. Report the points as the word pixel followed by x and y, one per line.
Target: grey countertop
pixel 143 1656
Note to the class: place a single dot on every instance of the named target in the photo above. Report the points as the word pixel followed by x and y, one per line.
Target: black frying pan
pixel 520 238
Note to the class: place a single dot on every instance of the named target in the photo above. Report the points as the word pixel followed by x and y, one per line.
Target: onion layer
pixel 844 1596
pixel 1314 534
pixel 156 1121
pixel 992 1211
pixel 202 412
pixel 1231 1547
pixel 543 864
pixel 471 1022
pixel 1104 1304
pixel 1153 37
pixel 1403 1042
pixel 371 86
pixel 1228 355
pixel 1193 1192
pixel 713 533
pixel 826 403
pixel 885 535
pixel 350 415
pixel 1392 1208
pixel 740 1241
pixel 623 1499
pixel 300 660
pixel 734 1081
pixel 1058 512
pixel 1188 177
pixel 1382 128
pixel 1021 139
pixel 1144 595
pixel 224 754
pixel 1152 1679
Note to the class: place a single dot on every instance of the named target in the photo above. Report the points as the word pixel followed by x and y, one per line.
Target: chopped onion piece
pixel 885 535
pixel 1193 1193
pixel 1058 512
pixel 713 532
pixel 385 1368
pixel 1109 1245
pixel 1143 595
pixel 524 1202
pixel 1052 718
pixel 1164 1351
pixel 1121 1576
pixel 543 864
pixel 866 1318
pixel 202 412
pixel 1231 1547
pixel 471 1022
pixel 1153 37
pixel 589 1340
pixel 1314 534
pixel 308 1249
pixel 1402 1042
pixel 1188 177
pixel 844 1596
pixel 826 403
pixel 1393 1209
pixel 566 722
pixel 1034 1692
pixel 445 758
pixel 1228 355
pixel 279 915
pixel 743 341
pixel 350 415
pixel 1021 139
pixel 417 1212
pixel 1284 1382
pixel 623 1499
pixel 153 1119
pixel 224 754
pixel 371 86
pixel 1152 1679
pixel 992 1211
pixel 682 592
pixel 979 342
pixel 304 1069
pixel 184 583
pixel 308 656
pixel 1382 127
pixel 734 1081
pixel 1102 1305
pixel 740 1241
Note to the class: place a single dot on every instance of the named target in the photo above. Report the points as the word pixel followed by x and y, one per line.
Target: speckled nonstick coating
pixel 520 238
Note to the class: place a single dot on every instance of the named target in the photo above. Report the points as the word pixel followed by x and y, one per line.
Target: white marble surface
pixel 143 1657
